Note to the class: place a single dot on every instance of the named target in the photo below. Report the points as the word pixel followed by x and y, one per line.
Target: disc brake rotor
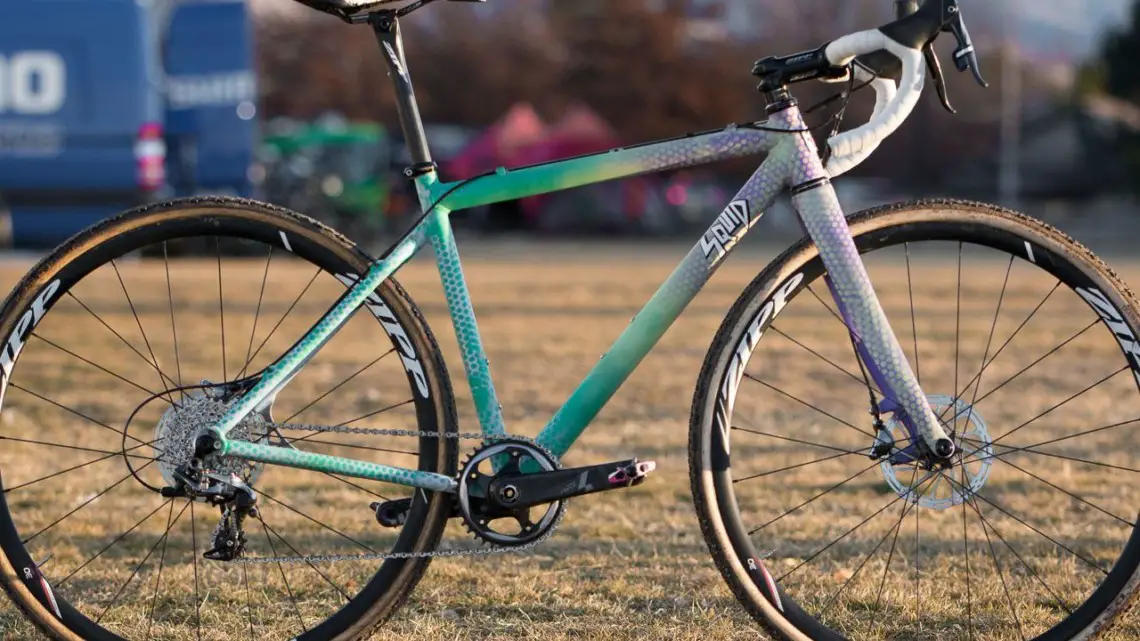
pixel 969 470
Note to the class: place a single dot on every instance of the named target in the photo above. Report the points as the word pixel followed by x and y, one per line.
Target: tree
pixel 1117 64
pixel 1116 73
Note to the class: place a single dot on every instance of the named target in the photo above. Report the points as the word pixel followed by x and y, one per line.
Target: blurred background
pixel 106 104
pixel 110 103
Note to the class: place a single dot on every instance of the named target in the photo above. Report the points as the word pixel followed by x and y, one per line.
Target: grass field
pixel 623 565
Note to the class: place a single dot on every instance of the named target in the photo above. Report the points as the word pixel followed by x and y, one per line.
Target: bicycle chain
pixel 381 556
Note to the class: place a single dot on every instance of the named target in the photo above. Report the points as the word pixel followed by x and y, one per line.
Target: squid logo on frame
pixel 728 228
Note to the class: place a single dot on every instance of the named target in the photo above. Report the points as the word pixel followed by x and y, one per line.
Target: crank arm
pixel 516 491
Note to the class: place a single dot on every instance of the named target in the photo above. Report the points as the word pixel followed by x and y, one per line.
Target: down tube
pixel 671 298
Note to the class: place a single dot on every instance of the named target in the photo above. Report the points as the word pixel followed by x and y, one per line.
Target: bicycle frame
pixel 792 163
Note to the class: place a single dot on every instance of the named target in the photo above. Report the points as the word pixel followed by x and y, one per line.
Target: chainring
pixel 482 515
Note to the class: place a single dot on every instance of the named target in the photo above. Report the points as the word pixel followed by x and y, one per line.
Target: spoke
pixel 99 367
pixel 354 485
pixel 1030 450
pixel 1034 363
pixel 74 447
pixel 154 359
pixel 1001 574
pixel 989 342
pixel 130 578
pixel 1009 340
pixel 807 502
pixel 794 467
pixel 287 312
pixel 872 403
pixel 834 314
pixel 858 379
pixel 256 314
pixel 173 325
pixel 835 596
pixel 795 440
pixel 163 378
pixel 986 523
pixel 808 405
pixel 913 323
pixel 116 540
pixel 1068 493
pixel 75 412
pixel 80 466
pixel 917 575
pixel 827 547
pixel 958 316
pixel 221 305
pixel 338 386
pixel 194 560
pixel 966 552
pixel 307 562
pixel 161 561
pixel 323 525
pixel 292 598
pixel 1086 432
pixel 83 505
pixel 894 543
pixel 1064 547
pixel 1062 403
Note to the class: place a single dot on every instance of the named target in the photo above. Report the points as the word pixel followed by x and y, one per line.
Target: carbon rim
pixel 125 559
pixel 1000 532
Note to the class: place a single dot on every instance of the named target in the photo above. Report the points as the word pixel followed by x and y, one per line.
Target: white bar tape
pixel 867 137
pixel 885 92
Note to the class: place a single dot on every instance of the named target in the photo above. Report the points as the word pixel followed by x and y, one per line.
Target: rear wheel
pixel 117 341
pixel 1026 346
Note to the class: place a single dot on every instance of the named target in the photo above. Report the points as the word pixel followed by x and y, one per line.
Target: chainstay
pixel 383 556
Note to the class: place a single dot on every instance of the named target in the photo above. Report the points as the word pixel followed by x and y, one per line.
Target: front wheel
pixel 1026 346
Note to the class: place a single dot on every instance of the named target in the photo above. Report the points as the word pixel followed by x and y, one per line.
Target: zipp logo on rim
pixel 728 228
pixel 1115 321
pixel 24 327
pixel 391 325
pixel 726 396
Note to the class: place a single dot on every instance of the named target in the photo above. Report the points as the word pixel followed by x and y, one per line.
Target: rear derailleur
pixel 233 496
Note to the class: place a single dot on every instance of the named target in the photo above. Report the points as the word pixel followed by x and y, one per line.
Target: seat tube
pixel 823 219
pixel 475 363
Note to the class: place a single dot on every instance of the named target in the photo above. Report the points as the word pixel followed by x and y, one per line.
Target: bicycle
pixel 214 445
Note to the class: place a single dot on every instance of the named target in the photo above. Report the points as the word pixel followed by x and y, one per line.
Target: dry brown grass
pixel 623 565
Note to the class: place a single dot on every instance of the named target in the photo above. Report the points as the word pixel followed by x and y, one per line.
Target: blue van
pixel 211 97
pixel 80 122
pixel 106 104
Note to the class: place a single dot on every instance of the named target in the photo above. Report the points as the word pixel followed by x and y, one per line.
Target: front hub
pixel 931 481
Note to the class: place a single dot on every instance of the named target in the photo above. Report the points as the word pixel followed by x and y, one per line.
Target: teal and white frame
pixel 793 163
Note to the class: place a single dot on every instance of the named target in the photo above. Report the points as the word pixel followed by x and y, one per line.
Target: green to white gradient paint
pixel 438 199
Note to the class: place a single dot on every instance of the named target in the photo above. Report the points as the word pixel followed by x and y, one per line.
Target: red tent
pixel 580 131
pixel 516 129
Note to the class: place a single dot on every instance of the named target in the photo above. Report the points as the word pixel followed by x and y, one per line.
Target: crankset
pixel 488 497
pixel 528 490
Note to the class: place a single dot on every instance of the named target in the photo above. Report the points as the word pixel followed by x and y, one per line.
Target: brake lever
pixel 965 57
pixel 935 67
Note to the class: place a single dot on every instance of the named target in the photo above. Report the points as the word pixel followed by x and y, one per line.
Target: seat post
pixel 386 26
